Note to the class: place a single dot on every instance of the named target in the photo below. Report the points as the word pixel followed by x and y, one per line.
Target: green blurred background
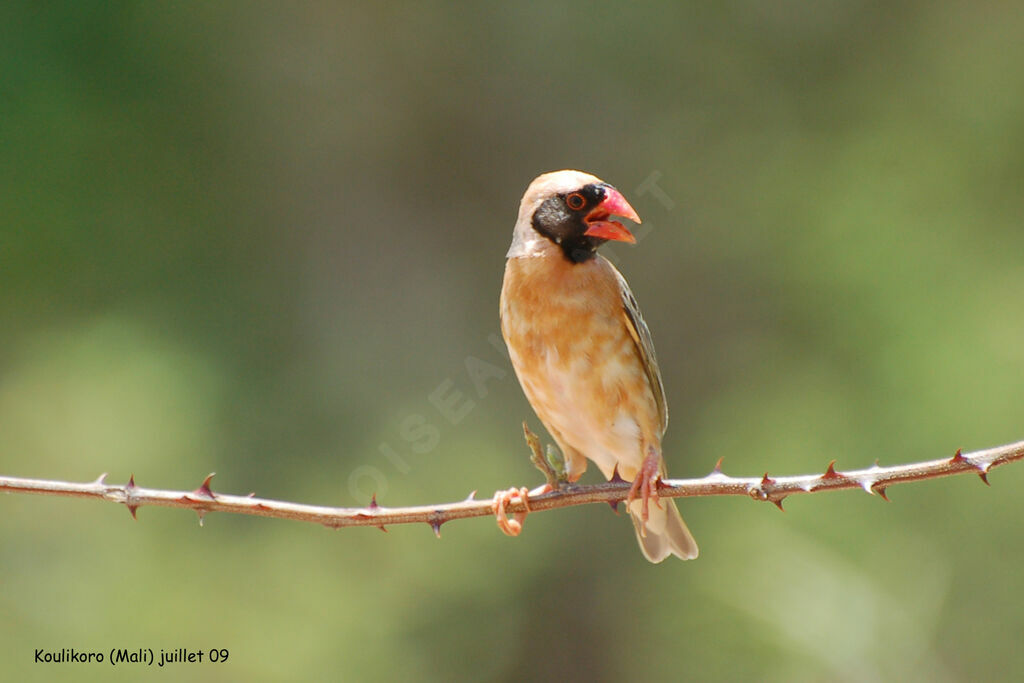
pixel 255 238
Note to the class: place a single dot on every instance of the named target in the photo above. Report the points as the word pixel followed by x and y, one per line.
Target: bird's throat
pixel 579 249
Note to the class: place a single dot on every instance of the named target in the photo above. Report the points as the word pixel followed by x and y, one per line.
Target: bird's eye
pixel 575 201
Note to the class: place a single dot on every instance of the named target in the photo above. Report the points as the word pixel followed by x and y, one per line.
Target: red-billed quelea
pixel 583 353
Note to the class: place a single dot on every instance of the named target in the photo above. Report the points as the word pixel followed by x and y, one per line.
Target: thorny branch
pixel 873 480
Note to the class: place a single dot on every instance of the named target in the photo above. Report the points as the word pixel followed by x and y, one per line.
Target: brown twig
pixel 874 480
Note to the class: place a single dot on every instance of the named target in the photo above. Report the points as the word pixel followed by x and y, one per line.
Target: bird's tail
pixel 664 533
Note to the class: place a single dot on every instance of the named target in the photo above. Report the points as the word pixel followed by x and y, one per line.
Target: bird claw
pixel 645 484
pixel 514 526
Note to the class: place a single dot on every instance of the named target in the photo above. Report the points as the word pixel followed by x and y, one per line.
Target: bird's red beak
pixel 614 204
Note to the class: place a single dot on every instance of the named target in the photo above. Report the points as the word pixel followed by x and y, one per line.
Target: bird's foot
pixel 511 527
pixel 552 466
pixel 645 485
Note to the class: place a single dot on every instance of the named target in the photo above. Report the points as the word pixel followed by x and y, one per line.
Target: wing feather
pixel 644 346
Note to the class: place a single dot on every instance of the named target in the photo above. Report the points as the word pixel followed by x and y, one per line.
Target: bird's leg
pixel 552 466
pixel 645 485
pixel 511 527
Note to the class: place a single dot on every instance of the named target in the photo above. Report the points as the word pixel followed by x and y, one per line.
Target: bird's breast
pixel 579 367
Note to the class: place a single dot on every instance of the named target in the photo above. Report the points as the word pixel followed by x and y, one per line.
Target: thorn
pixel 101 480
pixel 615 478
pixel 880 490
pixel 435 524
pixel 615 505
pixel 982 469
pixel 830 473
pixel 373 508
pixel 201 513
pixel 128 496
pixel 204 490
pixel 718 466
pixel 766 480
pixel 251 494
pixel 778 503
pixel 471 496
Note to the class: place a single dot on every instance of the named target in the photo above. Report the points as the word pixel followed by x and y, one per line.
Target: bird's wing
pixel 644 345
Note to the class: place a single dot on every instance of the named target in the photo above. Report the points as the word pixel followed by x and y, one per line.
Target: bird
pixel 583 353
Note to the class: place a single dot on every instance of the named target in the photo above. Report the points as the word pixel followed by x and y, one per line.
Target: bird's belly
pixel 586 385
